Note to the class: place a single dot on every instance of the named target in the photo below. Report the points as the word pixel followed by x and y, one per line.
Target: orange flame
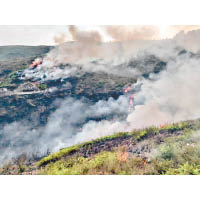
pixel 163 125
pixel 36 63
pixel 126 90
pixel 123 156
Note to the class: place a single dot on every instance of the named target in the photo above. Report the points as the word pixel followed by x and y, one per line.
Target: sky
pixel 46 34
pixel 30 34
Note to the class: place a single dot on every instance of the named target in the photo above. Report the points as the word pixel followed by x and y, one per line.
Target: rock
pixel 27 87
pixel 3 90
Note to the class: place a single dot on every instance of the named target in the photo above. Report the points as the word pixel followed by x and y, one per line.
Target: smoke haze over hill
pixel 167 74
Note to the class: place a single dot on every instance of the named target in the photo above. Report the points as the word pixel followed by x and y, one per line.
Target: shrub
pixel 43 86
pixel 185 169
pixel 57 155
pixel 141 134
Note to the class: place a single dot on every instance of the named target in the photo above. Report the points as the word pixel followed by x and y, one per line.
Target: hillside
pixel 86 117
pixel 14 58
pixel 170 149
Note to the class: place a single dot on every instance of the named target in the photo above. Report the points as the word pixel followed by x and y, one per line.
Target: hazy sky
pixel 45 34
pixel 30 35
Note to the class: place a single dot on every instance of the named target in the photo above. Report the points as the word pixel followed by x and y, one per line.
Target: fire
pixel 126 90
pixel 163 125
pixel 131 97
pixel 36 63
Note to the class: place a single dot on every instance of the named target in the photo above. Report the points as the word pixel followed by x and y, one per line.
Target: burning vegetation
pixel 36 63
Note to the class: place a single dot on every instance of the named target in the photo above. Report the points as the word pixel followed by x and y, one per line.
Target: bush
pixel 43 86
pixel 185 169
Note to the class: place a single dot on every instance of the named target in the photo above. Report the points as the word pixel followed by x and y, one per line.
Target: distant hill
pixel 14 52
pixel 19 57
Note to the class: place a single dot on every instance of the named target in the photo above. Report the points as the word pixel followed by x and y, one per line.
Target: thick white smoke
pixel 61 129
pixel 87 53
pixel 77 57
pixel 170 96
pixel 90 52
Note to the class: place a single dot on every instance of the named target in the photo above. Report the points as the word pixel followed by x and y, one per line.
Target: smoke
pixel 84 46
pixel 85 36
pixel 59 39
pixel 129 33
pixel 169 95
pixel 61 129
pixel 189 40
pixel 175 29
pixel 88 46
pixel 184 28
pixel 88 51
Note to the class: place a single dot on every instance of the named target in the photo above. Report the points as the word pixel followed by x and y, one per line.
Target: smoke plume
pixel 129 33
pixel 59 39
pixel 189 40
pixel 85 36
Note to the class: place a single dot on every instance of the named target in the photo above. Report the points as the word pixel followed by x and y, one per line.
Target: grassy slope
pixel 172 149
pixel 178 153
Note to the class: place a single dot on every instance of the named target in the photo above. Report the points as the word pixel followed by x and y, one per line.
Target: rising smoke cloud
pixel 60 39
pixel 84 36
pixel 189 40
pixel 128 41
pixel 86 48
pixel 129 33
pixel 82 47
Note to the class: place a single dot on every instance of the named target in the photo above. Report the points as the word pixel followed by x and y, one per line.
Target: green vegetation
pixel 6 84
pixel 65 152
pixel 82 165
pixel 136 135
pixel 58 155
pixel 179 155
pixel 102 163
pixel 185 169
pixel 183 152
pixel 43 86
pixel 176 126
pixel 12 75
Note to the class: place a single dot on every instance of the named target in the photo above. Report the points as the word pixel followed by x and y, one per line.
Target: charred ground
pixel 20 99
